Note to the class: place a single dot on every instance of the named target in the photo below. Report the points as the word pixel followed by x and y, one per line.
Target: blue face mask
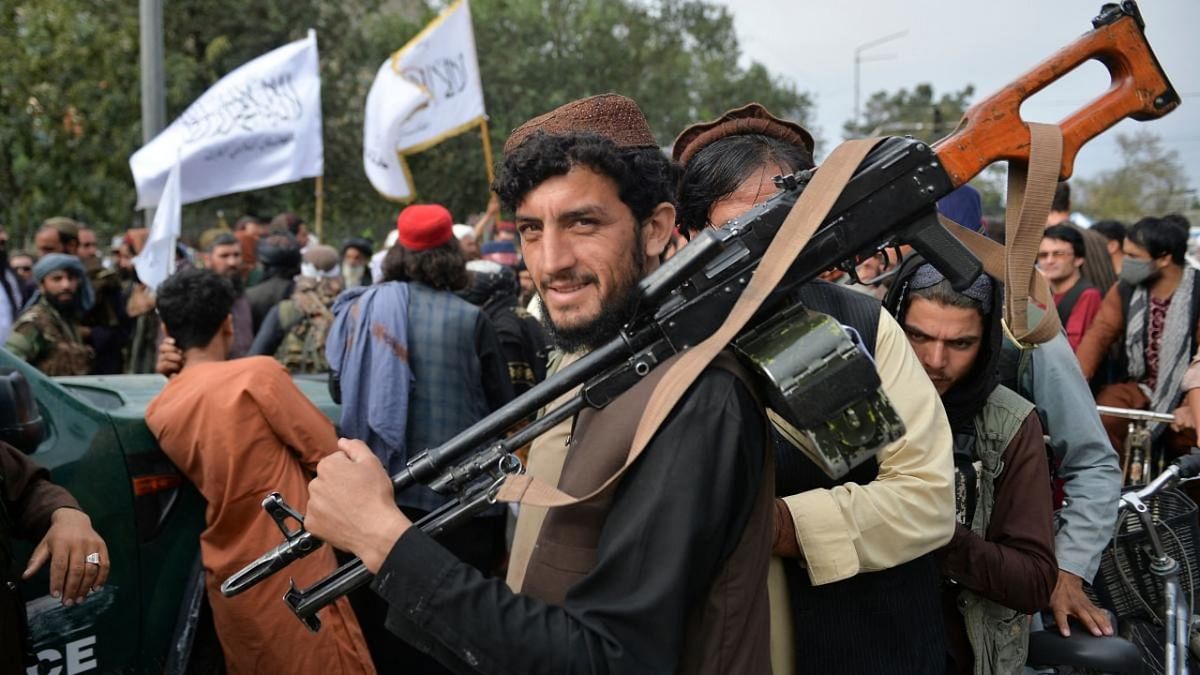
pixel 1136 272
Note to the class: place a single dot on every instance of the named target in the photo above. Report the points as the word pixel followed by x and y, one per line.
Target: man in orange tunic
pixel 240 429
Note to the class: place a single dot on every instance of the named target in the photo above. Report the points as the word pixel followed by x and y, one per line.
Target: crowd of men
pixel 995 504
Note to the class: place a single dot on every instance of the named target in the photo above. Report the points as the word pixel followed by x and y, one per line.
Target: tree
pixel 677 58
pixel 1151 181
pixel 921 114
pixel 916 113
pixel 68 107
pixel 69 92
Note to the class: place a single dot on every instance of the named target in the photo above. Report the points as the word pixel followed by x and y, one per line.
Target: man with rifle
pixel 857 552
pixel 666 570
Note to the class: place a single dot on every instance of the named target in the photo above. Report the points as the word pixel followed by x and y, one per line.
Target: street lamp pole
pixel 858 60
pixel 154 103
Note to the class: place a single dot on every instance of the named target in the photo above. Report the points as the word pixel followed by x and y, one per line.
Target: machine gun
pixel 890 200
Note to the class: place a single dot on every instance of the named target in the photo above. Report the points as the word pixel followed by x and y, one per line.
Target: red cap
pixel 424 226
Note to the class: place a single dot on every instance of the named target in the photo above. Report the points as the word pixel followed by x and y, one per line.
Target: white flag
pixel 156 262
pixel 259 126
pixel 441 59
pixel 390 102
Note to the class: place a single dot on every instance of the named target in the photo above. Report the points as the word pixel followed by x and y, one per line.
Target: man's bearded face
pixel 60 289
pixel 585 255
pixel 226 260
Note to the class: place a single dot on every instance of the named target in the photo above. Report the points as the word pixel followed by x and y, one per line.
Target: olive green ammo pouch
pixel 822 389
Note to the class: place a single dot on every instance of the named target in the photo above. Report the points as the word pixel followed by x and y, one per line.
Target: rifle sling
pixel 1022 239
pixel 1030 192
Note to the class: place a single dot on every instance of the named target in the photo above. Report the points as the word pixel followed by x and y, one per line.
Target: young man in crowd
pixel 224 257
pixel 667 572
pixel 1060 259
pixel 279 254
pixel 1097 269
pixel 1114 236
pixel 1000 563
pixel 1152 314
pixel 414 365
pixel 22 264
pixel 294 331
pixel 494 288
pixel 48 334
pixel 240 430
pixel 16 277
pixel 856 552
pixel 57 235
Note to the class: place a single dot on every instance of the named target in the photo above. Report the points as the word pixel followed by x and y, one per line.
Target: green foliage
pixel 69 92
pixel 1151 181
pixel 921 114
pixel 68 97
pixel 677 59
pixel 917 113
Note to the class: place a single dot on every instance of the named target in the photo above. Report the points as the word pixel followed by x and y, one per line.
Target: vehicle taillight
pixel 146 485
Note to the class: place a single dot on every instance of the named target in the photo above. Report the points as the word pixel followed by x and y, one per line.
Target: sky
pixel 953 43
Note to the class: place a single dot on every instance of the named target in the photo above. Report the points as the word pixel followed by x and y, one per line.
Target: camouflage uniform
pixel 46 339
pixel 305 320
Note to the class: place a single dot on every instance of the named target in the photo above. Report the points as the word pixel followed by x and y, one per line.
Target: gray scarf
pixel 1174 350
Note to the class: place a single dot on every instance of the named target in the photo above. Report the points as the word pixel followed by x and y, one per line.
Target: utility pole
pixel 154 103
pixel 859 59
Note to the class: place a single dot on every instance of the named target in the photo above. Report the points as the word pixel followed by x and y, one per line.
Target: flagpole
pixel 487 151
pixel 318 217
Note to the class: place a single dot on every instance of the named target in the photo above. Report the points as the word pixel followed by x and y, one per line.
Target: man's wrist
pixel 68 512
pixel 380 540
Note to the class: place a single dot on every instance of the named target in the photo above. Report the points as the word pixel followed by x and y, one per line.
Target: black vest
pixel 874 622
pixel 1067 304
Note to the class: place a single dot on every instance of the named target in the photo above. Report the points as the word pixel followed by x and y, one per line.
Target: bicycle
pixel 1140 576
pixel 1138 441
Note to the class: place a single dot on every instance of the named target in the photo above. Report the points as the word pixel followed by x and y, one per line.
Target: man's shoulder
pixel 1006 405
pixel 723 380
pixel 36 314
pixel 256 366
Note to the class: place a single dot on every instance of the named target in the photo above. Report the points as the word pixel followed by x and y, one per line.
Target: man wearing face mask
pixel 1152 314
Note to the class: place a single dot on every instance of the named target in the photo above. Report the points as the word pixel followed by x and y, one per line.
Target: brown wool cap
pixel 751 118
pixel 612 116
pixel 322 257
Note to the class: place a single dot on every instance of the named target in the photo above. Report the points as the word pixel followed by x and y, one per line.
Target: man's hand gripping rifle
pixel 889 201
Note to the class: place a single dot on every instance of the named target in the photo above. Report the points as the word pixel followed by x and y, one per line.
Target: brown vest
pixel 728 630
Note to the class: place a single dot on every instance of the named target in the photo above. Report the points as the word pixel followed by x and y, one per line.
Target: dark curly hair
pixel 441 267
pixel 1161 236
pixel 720 168
pixel 192 304
pixel 645 177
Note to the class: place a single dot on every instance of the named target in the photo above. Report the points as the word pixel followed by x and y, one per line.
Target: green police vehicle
pixel 91 433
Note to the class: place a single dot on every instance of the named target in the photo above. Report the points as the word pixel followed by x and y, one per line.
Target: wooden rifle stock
pixel 992 130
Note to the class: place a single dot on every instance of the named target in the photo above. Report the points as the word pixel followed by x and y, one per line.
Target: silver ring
pixel 92 558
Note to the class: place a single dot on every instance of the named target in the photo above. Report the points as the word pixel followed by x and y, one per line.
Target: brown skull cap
pixel 751 118
pixel 612 116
